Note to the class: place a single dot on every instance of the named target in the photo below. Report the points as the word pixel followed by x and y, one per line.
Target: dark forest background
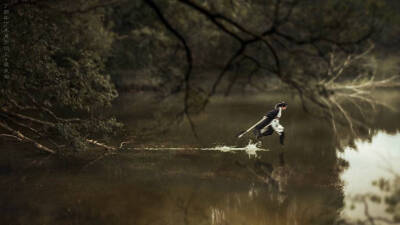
pixel 70 60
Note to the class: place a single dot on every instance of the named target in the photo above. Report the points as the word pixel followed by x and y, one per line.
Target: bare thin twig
pixel 24 138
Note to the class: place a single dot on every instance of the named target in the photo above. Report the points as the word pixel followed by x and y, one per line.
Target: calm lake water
pixel 175 178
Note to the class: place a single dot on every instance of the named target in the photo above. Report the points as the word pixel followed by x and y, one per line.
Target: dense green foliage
pixel 57 66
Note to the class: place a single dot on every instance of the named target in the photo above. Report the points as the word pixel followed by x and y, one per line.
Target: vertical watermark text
pixel 5 39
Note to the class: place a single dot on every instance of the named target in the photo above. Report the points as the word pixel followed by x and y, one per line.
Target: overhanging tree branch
pixel 189 59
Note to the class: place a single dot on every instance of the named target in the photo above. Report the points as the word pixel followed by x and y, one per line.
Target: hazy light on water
pixel 368 163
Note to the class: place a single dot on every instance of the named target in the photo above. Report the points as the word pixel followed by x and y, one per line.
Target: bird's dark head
pixel 282 105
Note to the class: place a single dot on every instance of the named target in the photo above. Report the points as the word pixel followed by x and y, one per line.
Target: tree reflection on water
pixel 299 183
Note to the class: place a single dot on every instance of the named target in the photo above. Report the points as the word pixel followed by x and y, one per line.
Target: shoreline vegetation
pixel 71 59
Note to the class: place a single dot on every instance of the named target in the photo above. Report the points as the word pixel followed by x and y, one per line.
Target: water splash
pixel 251 149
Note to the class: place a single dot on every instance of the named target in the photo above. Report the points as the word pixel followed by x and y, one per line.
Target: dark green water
pixel 304 182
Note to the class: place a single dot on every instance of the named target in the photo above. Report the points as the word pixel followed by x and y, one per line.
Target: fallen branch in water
pixel 20 137
pixel 99 144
